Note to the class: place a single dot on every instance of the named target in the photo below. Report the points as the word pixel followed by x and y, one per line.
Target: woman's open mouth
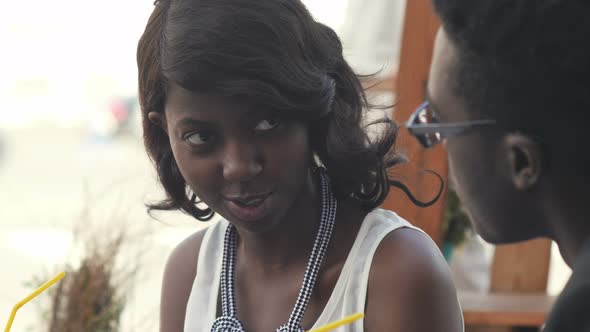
pixel 248 208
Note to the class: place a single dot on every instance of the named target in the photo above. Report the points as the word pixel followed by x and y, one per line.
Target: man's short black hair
pixel 525 63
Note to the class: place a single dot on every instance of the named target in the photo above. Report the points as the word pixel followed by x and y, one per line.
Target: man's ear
pixel 524 157
pixel 159 119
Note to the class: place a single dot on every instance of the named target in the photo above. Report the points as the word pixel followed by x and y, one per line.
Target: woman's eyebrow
pixel 188 121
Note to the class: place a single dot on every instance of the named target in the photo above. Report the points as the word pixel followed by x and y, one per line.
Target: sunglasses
pixel 425 125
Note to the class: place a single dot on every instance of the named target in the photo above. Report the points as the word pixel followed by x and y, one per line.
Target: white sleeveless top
pixel 349 294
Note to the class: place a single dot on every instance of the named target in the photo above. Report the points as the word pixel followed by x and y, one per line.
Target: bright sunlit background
pixel 70 139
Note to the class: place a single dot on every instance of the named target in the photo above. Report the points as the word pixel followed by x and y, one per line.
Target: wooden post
pixel 521 267
pixel 420 27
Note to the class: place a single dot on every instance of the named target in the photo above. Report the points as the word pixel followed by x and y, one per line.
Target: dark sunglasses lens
pixel 427 116
pixel 429 140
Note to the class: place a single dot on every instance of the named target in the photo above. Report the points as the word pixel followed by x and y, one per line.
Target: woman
pixel 250 111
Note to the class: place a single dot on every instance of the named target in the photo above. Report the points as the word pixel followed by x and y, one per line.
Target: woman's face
pixel 245 163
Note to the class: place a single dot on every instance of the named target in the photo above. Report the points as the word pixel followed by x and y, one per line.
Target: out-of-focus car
pixel 119 118
pixel 123 111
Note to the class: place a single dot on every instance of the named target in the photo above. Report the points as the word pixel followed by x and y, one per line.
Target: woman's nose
pixel 241 161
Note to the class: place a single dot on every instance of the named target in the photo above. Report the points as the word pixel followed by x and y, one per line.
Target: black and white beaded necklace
pixel 229 322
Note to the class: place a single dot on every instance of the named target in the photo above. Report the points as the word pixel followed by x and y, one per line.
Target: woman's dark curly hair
pixel 275 54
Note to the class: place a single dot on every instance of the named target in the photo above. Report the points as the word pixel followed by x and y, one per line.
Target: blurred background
pixel 72 163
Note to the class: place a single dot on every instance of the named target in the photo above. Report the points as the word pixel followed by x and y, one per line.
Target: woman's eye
pixel 198 138
pixel 267 124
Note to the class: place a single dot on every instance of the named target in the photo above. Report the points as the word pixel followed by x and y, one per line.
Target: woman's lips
pixel 249 208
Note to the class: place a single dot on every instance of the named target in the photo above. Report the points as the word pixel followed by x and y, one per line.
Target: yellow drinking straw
pixel 30 297
pixel 344 321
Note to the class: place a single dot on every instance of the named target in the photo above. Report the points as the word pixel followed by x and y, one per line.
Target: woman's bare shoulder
pixel 409 278
pixel 179 275
pixel 183 259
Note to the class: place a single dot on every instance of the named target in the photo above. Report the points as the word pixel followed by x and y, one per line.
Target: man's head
pixel 523 65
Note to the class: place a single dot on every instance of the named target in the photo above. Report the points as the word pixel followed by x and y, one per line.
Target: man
pixel 509 95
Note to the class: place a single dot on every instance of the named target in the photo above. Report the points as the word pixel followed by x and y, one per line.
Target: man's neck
pixel 572 242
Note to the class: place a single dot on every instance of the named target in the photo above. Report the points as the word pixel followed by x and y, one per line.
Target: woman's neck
pixel 290 242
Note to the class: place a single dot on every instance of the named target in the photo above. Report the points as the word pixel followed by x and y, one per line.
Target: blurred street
pixel 48 175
